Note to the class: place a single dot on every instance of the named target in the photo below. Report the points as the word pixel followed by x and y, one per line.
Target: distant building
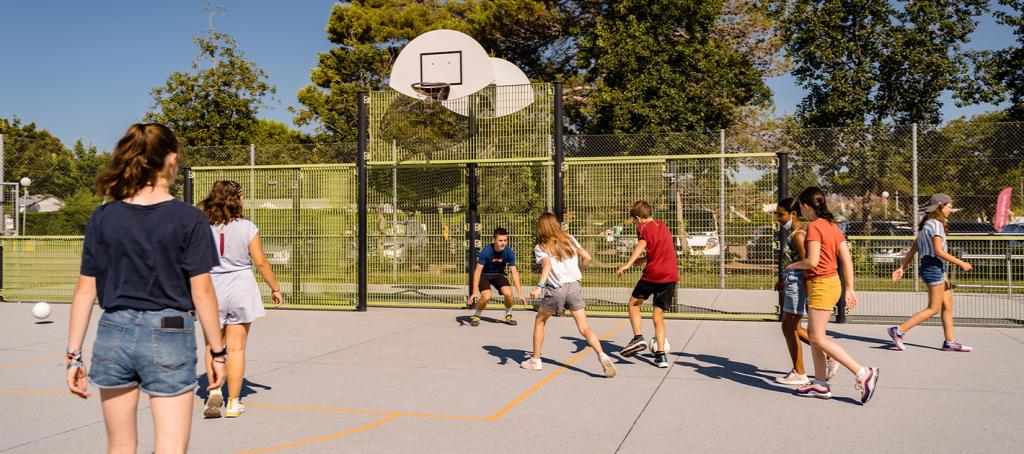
pixel 41 203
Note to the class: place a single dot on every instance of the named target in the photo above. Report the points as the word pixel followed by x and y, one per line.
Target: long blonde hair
pixel 552 239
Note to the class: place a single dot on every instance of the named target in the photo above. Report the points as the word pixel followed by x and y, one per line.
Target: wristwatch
pixel 222 352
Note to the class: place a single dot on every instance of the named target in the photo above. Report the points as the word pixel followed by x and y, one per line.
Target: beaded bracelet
pixel 74 363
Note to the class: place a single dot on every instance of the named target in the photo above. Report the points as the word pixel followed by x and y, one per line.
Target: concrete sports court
pixel 424 381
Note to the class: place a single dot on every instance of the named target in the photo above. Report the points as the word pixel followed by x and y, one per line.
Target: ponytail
pixel 814 197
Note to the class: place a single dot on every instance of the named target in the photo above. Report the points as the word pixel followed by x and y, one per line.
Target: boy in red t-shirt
pixel 659 279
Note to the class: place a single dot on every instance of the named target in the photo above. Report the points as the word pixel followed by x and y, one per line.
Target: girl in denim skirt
pixel 147 257
pixel 931 249
pixel 791 284
pixel 826 247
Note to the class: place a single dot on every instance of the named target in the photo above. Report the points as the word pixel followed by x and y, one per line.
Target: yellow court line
pixel 26 362
pixel 29 391
pixel 365 412
pixel 540 384
pixel 325 438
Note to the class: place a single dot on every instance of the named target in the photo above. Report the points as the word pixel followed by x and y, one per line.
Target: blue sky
pixel 85 69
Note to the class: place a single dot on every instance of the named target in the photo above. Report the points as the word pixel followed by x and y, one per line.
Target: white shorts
pixel 238 297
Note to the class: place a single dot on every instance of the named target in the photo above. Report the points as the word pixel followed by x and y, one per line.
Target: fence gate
pixel 307 220
pixel 719 208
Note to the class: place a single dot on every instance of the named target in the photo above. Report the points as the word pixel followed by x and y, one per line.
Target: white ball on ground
pixel 653 344
pixel 41 311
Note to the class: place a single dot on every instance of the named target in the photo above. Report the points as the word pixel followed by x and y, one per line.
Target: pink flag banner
pixel 1002 210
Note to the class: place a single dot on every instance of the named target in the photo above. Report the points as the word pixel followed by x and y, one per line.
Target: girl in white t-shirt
pixel 238 295
pixel 560 254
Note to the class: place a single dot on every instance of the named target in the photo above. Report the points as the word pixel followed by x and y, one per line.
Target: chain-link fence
pixel 435 195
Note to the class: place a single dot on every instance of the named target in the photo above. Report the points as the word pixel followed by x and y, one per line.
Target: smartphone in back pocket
pixel 173 322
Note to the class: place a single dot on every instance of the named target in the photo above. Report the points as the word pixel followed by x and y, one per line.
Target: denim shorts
pixel 932 270
pixel 794 293
pixel 132 349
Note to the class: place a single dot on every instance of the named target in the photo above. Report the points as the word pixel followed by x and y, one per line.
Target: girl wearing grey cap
pixel 931 249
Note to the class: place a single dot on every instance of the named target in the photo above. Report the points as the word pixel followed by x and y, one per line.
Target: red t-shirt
pixel 662 266
pixel 830 237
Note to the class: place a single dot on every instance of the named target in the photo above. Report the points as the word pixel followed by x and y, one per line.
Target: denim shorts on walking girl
pixel 794 293
pixel 932 270
pixel 136 348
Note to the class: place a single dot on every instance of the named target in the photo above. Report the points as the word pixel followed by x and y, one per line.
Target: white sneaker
pixel 235 408
pixel 609 367
pixel 793 379
pixel 831 368
pixel 531 364
pixel 213 404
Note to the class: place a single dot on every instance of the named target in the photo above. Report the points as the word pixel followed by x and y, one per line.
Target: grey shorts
pixel 568 296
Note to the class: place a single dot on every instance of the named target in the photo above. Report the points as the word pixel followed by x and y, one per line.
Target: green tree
pixel 872 61
pixel 35 153
pixel 368 36
pixel 216 103
pixel 999 74
pixel 658 66
pixel 729 43
pixel 89 162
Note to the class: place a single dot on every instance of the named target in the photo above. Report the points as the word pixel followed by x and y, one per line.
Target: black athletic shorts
pixel 662 293
pixel 497 280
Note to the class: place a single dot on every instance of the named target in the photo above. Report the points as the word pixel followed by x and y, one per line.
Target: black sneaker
pixel 633 347
pixel 661 360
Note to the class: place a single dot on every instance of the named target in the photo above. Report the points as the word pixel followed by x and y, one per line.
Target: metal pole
pixel 721 208
pixel 472 223
pixel 252 169
pixel 913 216
pixel 780 255
pixel 24 217
pixel 559 157
pixel 394 210
pixel 361 157
pixel 188 189
pixel 2 179
pixel 299 242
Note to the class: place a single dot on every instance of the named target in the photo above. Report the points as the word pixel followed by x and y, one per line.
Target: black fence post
pixel 472 222
pixel 298 240
pixel 187 193
pixel 2 271
pixel 559 158
pixel 780 254
pixel 361 158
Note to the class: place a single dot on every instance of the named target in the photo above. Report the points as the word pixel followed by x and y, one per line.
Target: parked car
pixel 883 251
pixel 406 243
pixel 701 227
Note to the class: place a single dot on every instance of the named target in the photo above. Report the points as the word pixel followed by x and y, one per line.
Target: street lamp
pixel 25 182
pixel 885 201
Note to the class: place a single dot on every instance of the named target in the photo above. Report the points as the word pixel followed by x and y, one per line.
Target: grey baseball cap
pixel 935 202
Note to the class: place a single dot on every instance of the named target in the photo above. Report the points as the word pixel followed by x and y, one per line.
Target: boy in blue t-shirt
pixel 490 271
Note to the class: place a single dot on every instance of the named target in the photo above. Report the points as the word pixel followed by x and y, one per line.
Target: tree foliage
pixel 874 61
pixel 217 102
pixel 638 65
pixel 999 74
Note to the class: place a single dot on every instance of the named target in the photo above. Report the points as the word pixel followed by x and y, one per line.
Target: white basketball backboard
pixel 445 56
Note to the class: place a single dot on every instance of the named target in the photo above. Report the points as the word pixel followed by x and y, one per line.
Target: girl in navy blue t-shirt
pixel 147 257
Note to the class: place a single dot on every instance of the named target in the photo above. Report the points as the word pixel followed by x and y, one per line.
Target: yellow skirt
pixel 823 293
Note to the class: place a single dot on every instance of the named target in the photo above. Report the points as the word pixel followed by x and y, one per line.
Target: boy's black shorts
pixel 497 280
pixel 662 293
